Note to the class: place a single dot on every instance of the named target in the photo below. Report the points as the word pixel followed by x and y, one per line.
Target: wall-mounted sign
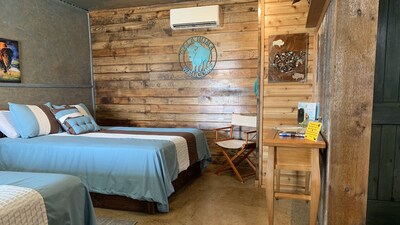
pixel 197 56
pixel 287 58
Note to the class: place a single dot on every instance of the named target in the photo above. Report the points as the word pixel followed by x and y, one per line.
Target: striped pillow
pixel 75 122
pixel 81 107
pixel 33 120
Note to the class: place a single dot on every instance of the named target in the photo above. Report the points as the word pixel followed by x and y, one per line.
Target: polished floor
pixel 219 200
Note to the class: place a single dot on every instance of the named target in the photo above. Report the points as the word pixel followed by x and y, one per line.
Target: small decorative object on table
pixel 307 111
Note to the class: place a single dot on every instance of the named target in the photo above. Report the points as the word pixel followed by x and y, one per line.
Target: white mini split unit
pixel 195 17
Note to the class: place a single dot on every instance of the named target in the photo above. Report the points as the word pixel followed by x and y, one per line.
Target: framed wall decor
pixel 287 59
pixel 9 61
pixel 197 56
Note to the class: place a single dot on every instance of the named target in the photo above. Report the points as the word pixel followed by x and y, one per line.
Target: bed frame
pixel 128 204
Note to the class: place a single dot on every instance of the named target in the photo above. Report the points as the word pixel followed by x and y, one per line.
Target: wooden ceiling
pixel 114 4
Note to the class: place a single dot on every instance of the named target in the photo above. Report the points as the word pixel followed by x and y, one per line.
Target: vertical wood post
pixel 261 74
pixel 355 27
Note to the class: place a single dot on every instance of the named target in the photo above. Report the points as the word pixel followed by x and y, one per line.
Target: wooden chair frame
pixel 241 154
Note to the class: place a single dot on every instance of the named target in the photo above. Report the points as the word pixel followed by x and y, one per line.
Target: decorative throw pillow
pixel 6 125
pixel 33 120
pixel 81 107
pixel 74 122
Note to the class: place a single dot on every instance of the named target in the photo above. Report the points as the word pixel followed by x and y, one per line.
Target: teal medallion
pixel 197 56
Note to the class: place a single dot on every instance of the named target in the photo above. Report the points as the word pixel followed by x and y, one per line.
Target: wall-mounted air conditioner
pixel 195 17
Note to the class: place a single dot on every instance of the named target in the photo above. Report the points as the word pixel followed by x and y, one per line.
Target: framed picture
pixel 9 61
pixel 287 58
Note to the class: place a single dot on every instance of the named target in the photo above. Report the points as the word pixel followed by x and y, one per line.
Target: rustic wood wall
pixel 138 79
pixel 346 79
pixel 325 67
pixel 324 73
pixel 280 99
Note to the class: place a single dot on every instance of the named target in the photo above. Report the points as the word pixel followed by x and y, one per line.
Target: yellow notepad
pixel 312 131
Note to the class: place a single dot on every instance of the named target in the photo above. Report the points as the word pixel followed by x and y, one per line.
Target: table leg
pixel 278 180
pixel 315 186
pixel 307 183
pixel 270 184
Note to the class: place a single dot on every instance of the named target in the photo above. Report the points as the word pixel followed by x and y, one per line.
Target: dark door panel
pixel 384 173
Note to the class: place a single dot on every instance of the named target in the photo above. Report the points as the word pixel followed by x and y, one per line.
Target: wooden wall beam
pixel 355 28
pixel 261 74
pixel 316 13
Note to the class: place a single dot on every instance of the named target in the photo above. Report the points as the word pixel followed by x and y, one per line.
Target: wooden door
pixel 384 174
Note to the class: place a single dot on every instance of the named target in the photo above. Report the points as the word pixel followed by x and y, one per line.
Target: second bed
pixel 138 163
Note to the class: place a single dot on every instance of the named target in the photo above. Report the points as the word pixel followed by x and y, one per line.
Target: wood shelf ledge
pixel 292 196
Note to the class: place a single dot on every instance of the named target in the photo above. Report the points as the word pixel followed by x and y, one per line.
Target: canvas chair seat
pixel 232 144
pixel 237 150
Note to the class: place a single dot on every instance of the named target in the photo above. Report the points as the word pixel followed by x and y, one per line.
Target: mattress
pixel 139 163
pixel 66 199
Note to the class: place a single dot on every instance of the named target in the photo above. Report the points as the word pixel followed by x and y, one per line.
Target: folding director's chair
pixel 241 148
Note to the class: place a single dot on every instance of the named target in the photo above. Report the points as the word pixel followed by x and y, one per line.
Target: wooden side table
pixel 292 153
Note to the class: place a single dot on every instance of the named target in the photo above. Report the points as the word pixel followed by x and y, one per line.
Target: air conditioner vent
pixel 195 25
pixel 195 17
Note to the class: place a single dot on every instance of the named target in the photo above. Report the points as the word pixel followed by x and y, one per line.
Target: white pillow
pixel 7 126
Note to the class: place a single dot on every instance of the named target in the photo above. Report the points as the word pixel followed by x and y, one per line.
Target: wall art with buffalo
pixel 9 61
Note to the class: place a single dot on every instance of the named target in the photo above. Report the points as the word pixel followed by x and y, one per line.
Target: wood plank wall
pixel 324 71
pixel 280 99
pixel 138 79
pixel 346 77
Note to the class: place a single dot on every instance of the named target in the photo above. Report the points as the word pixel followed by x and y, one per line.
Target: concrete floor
pixel 219 200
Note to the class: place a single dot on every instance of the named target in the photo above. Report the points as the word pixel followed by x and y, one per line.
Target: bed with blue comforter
pixel 139 163
pixel 66 199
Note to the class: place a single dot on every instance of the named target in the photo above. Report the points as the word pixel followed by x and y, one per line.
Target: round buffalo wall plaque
pixel 197 56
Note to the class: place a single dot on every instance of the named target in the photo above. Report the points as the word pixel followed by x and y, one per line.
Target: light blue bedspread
pixel 66 199
pixel 136 168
